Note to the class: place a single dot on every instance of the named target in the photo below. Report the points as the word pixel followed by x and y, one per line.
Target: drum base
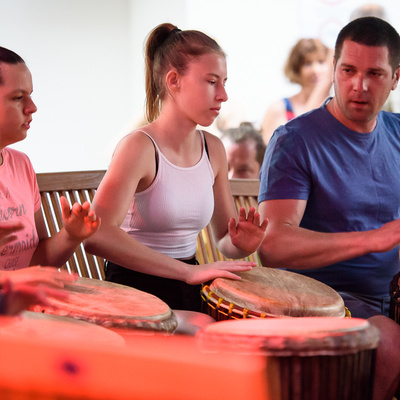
pixel 394 310
pixel 315 378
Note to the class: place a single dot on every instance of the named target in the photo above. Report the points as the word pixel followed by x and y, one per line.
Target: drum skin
pixel 308 358
pixel 112 305
pixel 269 292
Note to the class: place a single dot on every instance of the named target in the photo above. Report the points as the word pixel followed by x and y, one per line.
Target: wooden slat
pixel 76 180
pixel 245 187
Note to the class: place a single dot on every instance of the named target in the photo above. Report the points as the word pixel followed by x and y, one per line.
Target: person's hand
pixel 384 238
pixel 220 269
pixel 248 233
pixel 7 231
pixel 27 287
pixel 79 221
pixel 23 296
pixel 37 275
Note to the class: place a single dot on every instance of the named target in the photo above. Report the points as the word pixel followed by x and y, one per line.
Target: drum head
pixel 288 336
pixel 112 305
pixel 280 293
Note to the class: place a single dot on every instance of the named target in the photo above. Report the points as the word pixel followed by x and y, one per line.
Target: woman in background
pixel 309 65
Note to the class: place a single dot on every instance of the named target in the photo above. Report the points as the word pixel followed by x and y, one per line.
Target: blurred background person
pixel 245 150
pixel 369 10
pixel 309 65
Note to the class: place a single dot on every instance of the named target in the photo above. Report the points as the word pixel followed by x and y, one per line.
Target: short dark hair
pixel 371 31
pixel 8 57
pixel 245 132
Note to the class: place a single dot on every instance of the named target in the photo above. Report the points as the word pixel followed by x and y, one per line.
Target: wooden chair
pixel 80 186
pixel 76 187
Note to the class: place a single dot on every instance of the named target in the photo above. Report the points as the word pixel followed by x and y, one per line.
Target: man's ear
pixel 396 77
pixel 173 80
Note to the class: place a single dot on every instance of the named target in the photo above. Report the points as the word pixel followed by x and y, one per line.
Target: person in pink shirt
pixel 24 240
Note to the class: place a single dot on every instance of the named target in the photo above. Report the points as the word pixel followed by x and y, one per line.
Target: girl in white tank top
pixel 162 187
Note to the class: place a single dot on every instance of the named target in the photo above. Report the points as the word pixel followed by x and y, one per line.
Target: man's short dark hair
pixel 8 57
pixel 371 31
pixel 245 132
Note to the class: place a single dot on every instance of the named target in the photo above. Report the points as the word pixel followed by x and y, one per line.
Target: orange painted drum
pixel 307 358
pixel 56 329
pixel 112 305
pixel 270 293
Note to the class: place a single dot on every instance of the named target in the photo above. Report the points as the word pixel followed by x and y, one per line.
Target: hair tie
pixel 176 30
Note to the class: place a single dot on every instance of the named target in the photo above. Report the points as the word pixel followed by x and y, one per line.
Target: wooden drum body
pixel 309 358
pixel 113 306
pixel 268 292
pixel 394 311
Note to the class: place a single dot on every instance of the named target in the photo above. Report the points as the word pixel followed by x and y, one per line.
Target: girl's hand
pixel 220 269
pixel 80 221
pixel 7 231
pixel 247 234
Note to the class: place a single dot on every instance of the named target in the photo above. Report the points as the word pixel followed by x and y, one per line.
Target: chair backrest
pixel 245 194
pixel 80 186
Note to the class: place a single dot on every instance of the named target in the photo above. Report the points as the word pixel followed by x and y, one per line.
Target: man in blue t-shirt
pixel 330 184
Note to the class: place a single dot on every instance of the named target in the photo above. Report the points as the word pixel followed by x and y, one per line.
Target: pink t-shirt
pixel 19 200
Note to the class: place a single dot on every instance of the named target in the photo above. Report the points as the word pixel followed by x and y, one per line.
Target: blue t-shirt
pixel 351 182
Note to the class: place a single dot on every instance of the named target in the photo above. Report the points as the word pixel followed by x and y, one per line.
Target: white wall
pixel 79 53
pixel 86 57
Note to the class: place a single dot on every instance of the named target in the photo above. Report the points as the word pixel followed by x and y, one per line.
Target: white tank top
pixel 171 212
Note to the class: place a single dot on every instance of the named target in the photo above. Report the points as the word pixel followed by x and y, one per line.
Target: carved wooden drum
pixel 113 305
pixel 268 292
pixel 309 358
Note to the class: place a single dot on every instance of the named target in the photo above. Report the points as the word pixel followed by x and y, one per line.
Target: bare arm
pixel 274 117
pixel 288 245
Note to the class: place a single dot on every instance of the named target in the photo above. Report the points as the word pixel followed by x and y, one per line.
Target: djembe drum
pixel 394 291
pixel 309 358
pixel 112 305
pixel 268 292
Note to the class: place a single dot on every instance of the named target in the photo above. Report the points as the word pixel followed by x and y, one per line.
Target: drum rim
pixel 365 336
pixel 166 322
pixel 233 310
